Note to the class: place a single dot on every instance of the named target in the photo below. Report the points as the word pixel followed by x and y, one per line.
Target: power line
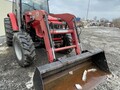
pixel 88 9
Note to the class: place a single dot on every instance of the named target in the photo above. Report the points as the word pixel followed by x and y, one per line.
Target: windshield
pixel 28 5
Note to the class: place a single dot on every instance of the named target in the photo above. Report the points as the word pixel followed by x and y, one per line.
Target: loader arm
pixel 40 25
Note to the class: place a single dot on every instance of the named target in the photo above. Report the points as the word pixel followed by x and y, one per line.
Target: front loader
pixel 31 25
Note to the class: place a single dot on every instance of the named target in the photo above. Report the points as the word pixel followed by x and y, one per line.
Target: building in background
pixel 5 7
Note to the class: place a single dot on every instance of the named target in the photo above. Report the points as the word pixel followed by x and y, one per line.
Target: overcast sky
pixel 108 9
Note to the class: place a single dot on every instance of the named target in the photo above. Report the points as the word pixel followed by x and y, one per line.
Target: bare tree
pixel 116 22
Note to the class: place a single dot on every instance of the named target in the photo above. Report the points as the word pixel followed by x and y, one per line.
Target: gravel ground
pixel 13 77
pixel 107 39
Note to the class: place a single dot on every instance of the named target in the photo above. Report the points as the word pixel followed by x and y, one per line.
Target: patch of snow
pixel 84 77
pixel 29 84
pixel 92 70
pixel 71 72
pixel 78 86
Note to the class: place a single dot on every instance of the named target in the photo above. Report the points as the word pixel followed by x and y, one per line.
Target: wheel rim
pixel 18 50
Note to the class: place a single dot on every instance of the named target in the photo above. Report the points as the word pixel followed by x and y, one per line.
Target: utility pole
pixel 88 10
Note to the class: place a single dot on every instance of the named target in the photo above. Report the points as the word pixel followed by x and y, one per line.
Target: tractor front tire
pixel 24 49
pixel 8 31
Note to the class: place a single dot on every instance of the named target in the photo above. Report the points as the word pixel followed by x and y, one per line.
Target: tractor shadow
pixel 41 56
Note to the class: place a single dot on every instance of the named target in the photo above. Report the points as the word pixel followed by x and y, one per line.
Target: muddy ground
pixel 13 77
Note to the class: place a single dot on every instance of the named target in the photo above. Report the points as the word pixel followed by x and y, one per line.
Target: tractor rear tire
pixel 24 49
pixel 8 31
pixel 66 42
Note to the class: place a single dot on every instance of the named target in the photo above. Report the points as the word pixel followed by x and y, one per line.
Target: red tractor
pixel 31 25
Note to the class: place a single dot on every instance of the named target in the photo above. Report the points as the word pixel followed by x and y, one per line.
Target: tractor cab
pixel 20 7
pixel 29 5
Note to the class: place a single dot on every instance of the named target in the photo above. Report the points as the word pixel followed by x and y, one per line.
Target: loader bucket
pixel 65 74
